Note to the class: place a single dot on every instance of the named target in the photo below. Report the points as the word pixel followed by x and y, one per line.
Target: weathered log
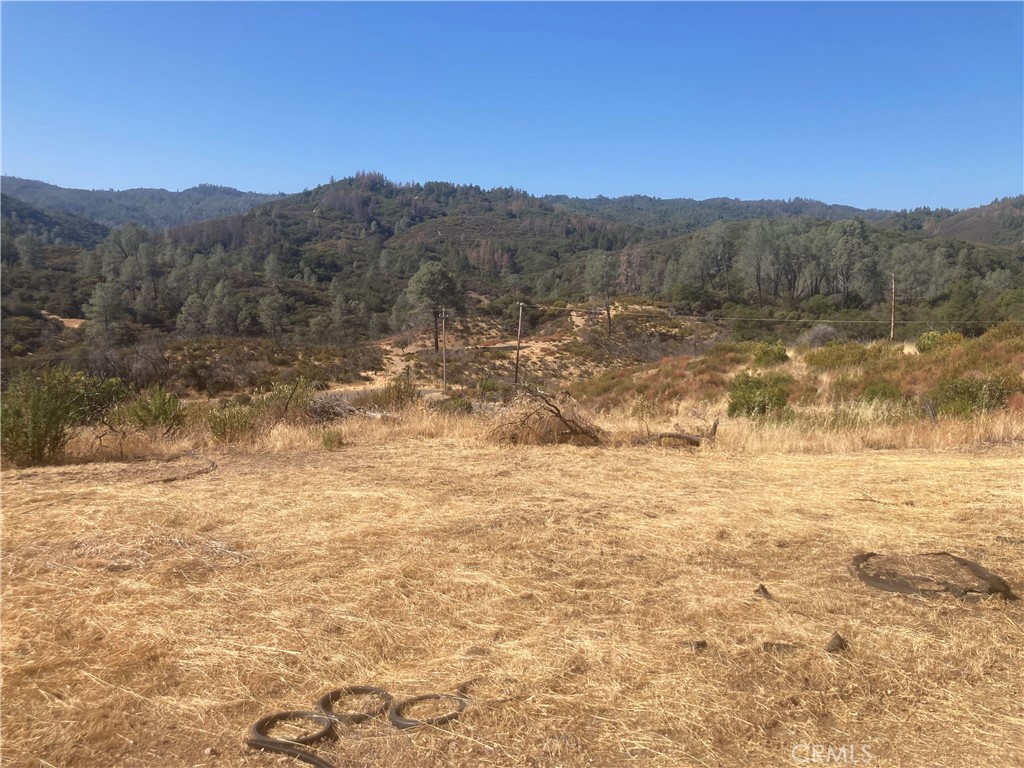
pixel 691 440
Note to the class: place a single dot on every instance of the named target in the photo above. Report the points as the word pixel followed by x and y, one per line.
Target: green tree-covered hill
pixel 338 262
pixel 21 219
pixel 150 208
pixel 1001 222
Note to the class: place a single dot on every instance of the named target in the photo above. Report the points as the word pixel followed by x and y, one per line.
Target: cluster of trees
pixel 46 227
pixel 151 208
pixel 363 256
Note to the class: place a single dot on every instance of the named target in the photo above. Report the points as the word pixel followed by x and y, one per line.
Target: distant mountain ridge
pixel 681 214
pixel 53 227
pixel 998 223
pixel 154 209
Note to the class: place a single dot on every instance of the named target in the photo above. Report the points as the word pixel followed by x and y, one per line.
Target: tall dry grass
pixel 844 428
pixel 149 623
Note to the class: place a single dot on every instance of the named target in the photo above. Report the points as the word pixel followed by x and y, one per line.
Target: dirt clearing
pixel 602 599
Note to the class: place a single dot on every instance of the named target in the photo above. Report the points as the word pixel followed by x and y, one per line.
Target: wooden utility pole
pixel 892 322
pixel 444 352
pixel 519 340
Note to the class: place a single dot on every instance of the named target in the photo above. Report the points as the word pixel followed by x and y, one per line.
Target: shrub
pixel 156 407
pixel 848 354
pixel 38 414
pixel 729 348
pixel 766 355
pixel 818 336
pixel 887 391
pixel 453 405
pixel 966 396
pixel 280 399
pixel 231 423
pixel 933 340
pixel 93 396
pixel 397 395
pixel 490 388
pixel 333 439
pixel 764 395
pixel 36 418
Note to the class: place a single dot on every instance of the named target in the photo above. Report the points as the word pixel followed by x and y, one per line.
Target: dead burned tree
pixel 684 438
pixel 539 418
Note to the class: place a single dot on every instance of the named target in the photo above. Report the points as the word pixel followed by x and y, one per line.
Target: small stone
pixel 837 643
pixel 210 751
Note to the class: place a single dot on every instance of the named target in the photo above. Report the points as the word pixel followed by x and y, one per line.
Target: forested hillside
pixel 363 256
pixel 682 215
pixel 1001 222
pixel 150 208
pixel 48 227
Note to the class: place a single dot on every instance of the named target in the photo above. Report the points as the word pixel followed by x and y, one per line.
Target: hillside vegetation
pixel 998 223
pixel 151 208
pixel 47 227
pixel 363 257
pixel 849 393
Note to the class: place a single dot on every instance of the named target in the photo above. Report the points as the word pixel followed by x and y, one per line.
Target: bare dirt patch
pixel 603 600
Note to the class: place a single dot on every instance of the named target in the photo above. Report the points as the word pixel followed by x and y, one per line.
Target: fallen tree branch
pixel 692 440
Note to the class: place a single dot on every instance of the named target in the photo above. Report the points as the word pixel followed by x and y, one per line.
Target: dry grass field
pixel 149 623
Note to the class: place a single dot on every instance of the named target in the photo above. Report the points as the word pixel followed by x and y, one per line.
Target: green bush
pixel 156 407
pixel 766 355
pixel 36 419
pixel 763 395
pixel 280 398
pixel 232 423
pixel 933 340
pixel 967 396
pixel 93 397
pixel 39 413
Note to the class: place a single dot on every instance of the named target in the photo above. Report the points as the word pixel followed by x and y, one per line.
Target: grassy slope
pixel 146 622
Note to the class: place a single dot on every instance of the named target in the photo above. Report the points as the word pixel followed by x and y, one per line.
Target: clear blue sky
pixel 886 105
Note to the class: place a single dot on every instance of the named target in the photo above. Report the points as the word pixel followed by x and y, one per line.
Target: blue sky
pixel 886 105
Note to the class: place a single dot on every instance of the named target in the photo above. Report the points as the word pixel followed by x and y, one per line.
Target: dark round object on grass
pixel 326 703
pixel 395 714
pixel 929 574
pixel 259 737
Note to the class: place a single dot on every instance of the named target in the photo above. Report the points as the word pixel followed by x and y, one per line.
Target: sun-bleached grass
pixel 837 429
pixel 815 430
pixel 146 622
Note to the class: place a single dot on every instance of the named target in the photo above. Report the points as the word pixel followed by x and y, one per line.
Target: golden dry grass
pixel 146 622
